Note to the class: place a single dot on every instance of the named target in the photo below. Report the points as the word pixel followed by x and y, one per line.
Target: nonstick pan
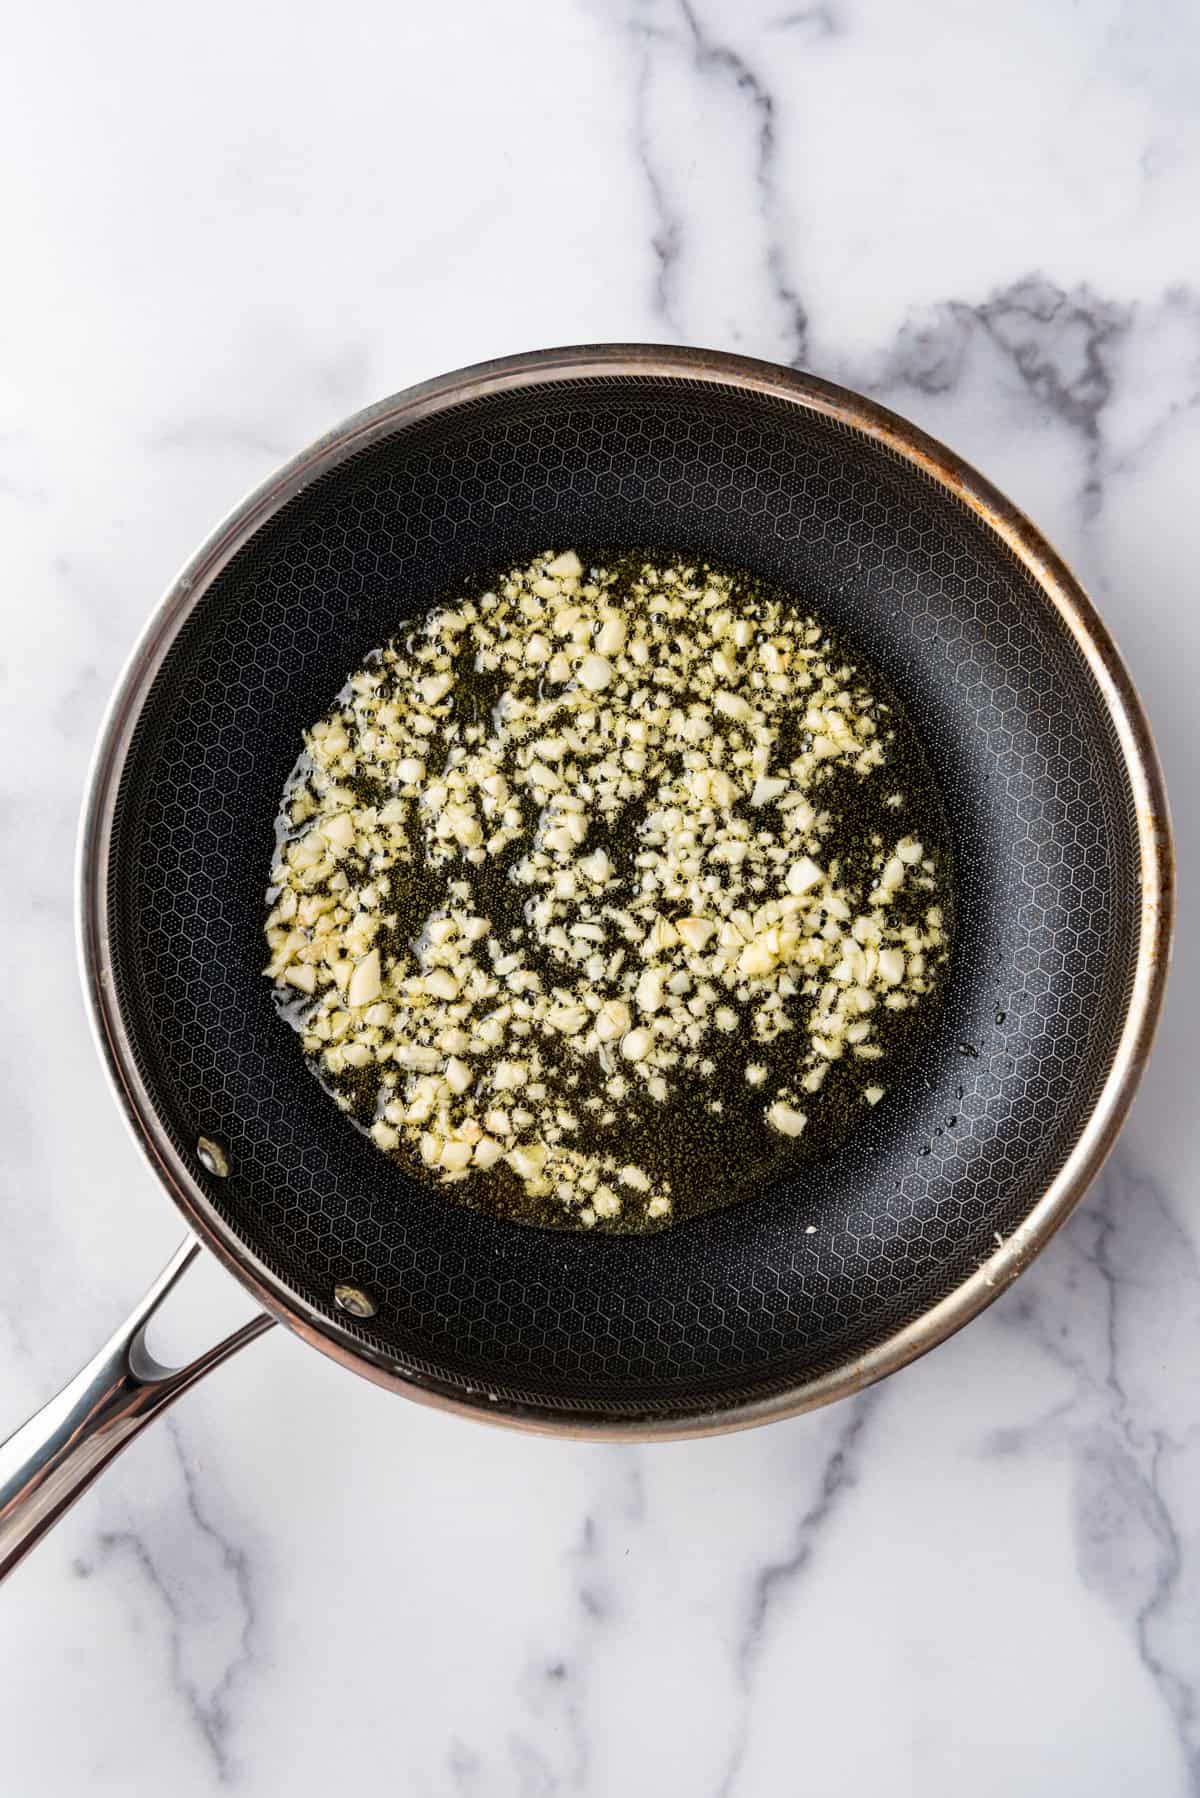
pixel 809 1289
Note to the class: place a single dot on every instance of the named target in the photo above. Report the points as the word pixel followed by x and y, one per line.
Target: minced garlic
pixel 647 786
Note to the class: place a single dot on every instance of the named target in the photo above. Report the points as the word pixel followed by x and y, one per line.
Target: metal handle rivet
pixel 354 1300
pixel 212 1156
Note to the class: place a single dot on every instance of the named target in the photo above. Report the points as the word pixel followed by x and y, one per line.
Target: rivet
pixel 212 1156
pixel 354 1300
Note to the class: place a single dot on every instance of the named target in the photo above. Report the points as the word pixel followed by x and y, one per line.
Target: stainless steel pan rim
pixel 1061 590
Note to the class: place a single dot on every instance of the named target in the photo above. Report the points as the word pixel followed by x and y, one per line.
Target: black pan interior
pixel 744 1301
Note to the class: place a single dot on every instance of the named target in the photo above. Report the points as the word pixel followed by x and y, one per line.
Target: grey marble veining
pixel 226 229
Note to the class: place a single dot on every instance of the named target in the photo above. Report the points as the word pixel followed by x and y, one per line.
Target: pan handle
pixel 49 1461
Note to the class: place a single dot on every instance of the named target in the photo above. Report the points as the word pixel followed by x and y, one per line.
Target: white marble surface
pixel 227 226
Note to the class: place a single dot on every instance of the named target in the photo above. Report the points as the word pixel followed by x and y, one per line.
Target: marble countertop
pixel 225 228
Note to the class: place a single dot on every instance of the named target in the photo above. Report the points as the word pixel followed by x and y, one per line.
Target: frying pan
pixel 812 1287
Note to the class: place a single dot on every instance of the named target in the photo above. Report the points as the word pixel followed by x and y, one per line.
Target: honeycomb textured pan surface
pixel 743 1302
